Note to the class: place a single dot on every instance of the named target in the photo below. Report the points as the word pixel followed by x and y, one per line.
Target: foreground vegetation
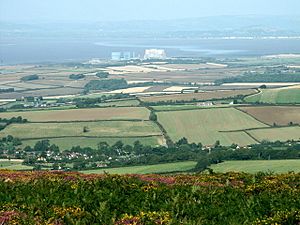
pixel 148 199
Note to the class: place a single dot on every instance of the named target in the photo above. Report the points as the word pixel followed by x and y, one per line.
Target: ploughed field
pixel 278 115
pixel 74 198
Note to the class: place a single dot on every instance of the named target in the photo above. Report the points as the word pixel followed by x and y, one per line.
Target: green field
pixel 68 143
pixel 13 165
pixel 159 168
pixel 277 134
pixel 76 129
pixel 277 166
pixel 276 96
pixel 205 125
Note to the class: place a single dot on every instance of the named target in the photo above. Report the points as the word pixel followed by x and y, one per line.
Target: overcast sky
pixel 108 10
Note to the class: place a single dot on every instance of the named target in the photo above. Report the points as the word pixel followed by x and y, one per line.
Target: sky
pixel 124 10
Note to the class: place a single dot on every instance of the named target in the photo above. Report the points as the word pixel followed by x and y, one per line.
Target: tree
pixel 85 129
pixel 153 116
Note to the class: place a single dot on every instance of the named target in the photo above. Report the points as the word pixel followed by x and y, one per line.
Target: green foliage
pixel 102 74
pixel 30 77
pixel 108 85
pixel 70 198
pixel 76 76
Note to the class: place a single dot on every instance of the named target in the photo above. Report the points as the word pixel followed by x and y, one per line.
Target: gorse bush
pixel 74 198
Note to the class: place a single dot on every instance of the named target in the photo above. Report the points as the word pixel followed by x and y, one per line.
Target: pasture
pixel 279 115
pixel 276 134
pixel 201 96
pixel 148 169
pixel 124 113
pixel 77 129
pixel 69 142
pixel 204 125
pixel 13 165
pixel 255 166
pixel 286 95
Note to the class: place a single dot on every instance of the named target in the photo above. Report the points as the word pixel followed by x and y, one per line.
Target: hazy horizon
pixel 115 10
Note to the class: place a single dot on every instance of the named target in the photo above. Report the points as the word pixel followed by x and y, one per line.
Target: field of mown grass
pixel 288 95
pixel 255 166
pixel 73 198
pixel 13 165
pixel 147 169
pixel 95 129
pixel 201 96
pixel 276 134
pixel 205 125
pixel 281 115
pixel 109 113
pixel 68 143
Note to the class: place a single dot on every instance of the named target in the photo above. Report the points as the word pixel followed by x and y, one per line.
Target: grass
pixel 82 114
pixel 95 129
pixel 274 114
pixel 276 96
pixel 277 134
pixel 204 125
pixel 13 165
pixel 68 143
pixel 254 166
pixel 159 168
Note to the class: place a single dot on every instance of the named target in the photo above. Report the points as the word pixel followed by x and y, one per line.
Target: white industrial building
pixel 155 54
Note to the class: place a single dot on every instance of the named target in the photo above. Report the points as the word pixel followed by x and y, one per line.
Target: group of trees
pixel 30 77
pixel 108 85
pixel 92 102
pixel 5 122
pixel 6 90
pixel 268 76
pixel 102 74
pixel 76 76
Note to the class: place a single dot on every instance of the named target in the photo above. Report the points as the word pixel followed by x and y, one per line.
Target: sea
pixel 44 50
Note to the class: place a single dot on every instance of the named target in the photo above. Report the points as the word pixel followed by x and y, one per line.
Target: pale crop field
pixel 202 96
pixel 254 166
pixel 204 125
pixel 82 114
pixel 76 129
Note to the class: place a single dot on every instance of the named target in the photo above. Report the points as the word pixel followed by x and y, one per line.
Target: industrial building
pixel 155 54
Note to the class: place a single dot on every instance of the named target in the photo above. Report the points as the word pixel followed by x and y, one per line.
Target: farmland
pixel 202 96
pixel 129 113
pixel 271 115
pixel 205 125
pixel 93 129
pixel 278 133
pixel 68 142
pixel 254 166
pixel 287 95
pixel 149 169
